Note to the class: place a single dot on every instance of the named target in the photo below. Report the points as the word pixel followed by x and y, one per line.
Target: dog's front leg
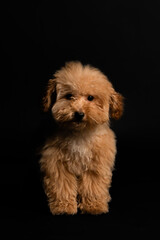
pixel 94 193
pixel 61 190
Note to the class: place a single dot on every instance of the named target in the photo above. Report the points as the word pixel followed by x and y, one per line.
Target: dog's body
pixel 78 160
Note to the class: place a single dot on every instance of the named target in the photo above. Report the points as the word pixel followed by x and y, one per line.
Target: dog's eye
pixel 90 98
pixel 69 96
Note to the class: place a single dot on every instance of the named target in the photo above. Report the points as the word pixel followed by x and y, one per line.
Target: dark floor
pixel 130 216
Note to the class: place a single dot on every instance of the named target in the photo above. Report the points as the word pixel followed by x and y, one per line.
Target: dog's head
pixel 83 97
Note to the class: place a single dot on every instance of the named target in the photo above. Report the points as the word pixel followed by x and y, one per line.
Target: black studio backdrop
pixel 122 39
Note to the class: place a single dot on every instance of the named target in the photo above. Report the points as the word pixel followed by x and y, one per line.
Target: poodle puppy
pixel 78 160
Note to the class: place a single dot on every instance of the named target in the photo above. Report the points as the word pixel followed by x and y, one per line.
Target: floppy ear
pixel 116 105
pixel 50 91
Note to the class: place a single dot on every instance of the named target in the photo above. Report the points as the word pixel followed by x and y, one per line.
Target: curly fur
pixel 78 160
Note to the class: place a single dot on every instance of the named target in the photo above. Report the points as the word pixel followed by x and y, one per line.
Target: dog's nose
pixel 79 116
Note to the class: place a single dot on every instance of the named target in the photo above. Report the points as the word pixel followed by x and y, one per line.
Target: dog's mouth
pixel 78 121
pixel 79 124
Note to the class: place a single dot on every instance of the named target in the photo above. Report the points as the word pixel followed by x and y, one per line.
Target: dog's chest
pixel 78 156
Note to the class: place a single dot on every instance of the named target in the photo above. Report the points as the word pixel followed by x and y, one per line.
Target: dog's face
pixel 84 97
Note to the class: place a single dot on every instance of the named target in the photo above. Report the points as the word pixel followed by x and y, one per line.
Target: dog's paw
pixel 94 208
pixel 58 208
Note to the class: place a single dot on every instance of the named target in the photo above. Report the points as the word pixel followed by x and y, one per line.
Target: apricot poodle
pixel 78 160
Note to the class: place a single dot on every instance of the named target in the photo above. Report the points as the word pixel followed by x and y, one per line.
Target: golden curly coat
pixel 78 160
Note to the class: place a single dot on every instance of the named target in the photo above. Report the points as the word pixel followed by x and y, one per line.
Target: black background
pixel 122 39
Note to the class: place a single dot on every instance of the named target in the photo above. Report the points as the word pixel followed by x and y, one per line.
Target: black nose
pixel 79 116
